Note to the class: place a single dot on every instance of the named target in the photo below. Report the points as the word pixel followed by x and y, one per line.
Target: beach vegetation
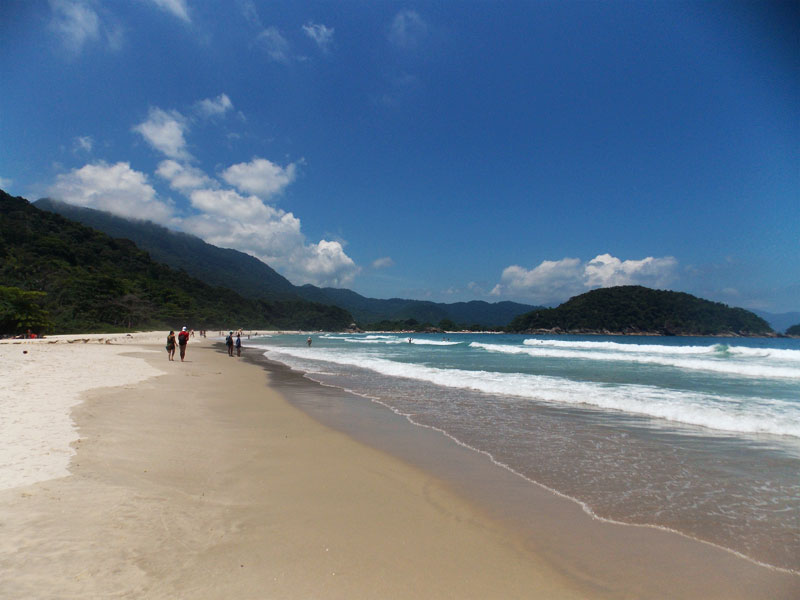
pixel 22 311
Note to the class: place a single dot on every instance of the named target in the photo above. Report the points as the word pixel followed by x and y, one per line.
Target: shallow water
pixel 697 435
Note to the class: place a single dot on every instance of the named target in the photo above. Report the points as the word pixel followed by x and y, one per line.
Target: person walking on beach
pixel 183 339
pixel 229 343
pixel 171 345
pixel 238 344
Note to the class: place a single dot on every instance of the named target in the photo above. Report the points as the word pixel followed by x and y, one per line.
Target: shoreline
pixel 273 366
pixel 206 483
pixel 513 512
pixel 183 482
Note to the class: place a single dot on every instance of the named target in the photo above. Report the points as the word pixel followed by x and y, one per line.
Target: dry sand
pixel 205 483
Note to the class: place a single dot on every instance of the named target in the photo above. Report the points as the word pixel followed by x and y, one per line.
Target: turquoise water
pixel 699 435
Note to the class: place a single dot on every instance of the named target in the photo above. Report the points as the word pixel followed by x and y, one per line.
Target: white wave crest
pixel 697 358
pixel 750 415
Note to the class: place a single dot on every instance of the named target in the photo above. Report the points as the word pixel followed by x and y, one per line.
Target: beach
pixel 205 479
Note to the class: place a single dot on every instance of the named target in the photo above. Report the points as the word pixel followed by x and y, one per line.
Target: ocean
pixel 696 435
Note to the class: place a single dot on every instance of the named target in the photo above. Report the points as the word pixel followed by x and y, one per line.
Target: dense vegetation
pixel 794 330
pixel 636 309
pixel 426 327
pixel 253 278
pixel 93 282
pixel 220 267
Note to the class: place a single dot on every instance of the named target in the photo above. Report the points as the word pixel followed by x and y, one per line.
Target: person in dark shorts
pixel 229 343
pixel 183 340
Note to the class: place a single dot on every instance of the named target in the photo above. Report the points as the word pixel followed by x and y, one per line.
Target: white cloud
pixel 407 30
pixel 275 44
pixel 607 271
pixel 216 213
pixel 176 7
pixel 212 107
pixel 114 188
pixel 556 281
pixel 382 263
pixel 75 22
pixel 83 143
pixel 550 281
pixel 326 264
pixel 230 220
pixel 260 176
pixel 164 131
pixel 5 182
pixel 250 13
pixel 183 177
pixel 323 36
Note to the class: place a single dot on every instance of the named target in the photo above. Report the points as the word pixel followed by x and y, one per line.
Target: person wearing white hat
pixel 183 340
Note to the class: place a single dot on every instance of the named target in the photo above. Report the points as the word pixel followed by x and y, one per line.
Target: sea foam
pixel 722 413
pixel 742 362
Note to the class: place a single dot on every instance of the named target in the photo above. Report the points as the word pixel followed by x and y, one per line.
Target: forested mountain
pixel 216 266
pixel 91 281
pixel 371 310
pixel 636 309
pixel 251 277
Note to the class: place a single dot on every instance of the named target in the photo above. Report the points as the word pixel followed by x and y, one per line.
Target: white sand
pixel 41 380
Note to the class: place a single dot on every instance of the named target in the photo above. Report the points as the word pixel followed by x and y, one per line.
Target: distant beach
pixel 200 480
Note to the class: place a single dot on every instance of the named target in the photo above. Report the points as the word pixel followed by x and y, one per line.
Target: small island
pixel 637 310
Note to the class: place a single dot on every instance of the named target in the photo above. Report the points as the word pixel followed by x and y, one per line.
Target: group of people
pixel 232 343
pixel 182 341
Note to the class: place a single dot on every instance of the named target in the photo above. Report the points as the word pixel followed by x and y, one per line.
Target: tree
pixel 20 311
pixel 447 325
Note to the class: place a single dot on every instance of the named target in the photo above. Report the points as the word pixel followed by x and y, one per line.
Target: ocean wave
pixel 740 415
pixel 730 361
pixel 377 339
pixel 782 354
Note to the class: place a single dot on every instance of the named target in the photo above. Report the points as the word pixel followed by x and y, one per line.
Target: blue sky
pixel 449 151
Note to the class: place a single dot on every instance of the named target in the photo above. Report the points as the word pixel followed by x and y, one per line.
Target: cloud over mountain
pixel 555 281
pixel 231 211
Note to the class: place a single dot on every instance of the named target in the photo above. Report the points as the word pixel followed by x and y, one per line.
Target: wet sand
pixel 207 483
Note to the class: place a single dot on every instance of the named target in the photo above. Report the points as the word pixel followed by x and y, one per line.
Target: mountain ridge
pixel 252 277
pixel 59 275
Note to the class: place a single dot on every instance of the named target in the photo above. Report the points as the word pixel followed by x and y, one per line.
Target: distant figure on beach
pixel 238 344
pixel 183 339
pixel 308 341
pixel 171 345
pixel 229 343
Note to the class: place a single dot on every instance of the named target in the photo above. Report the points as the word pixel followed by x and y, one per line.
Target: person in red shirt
pixel 183 340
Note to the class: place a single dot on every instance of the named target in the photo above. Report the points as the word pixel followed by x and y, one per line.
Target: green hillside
pixel 93 282
pixel 372 310
pixel 253 278
pixel 636 309
pixel 221 267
